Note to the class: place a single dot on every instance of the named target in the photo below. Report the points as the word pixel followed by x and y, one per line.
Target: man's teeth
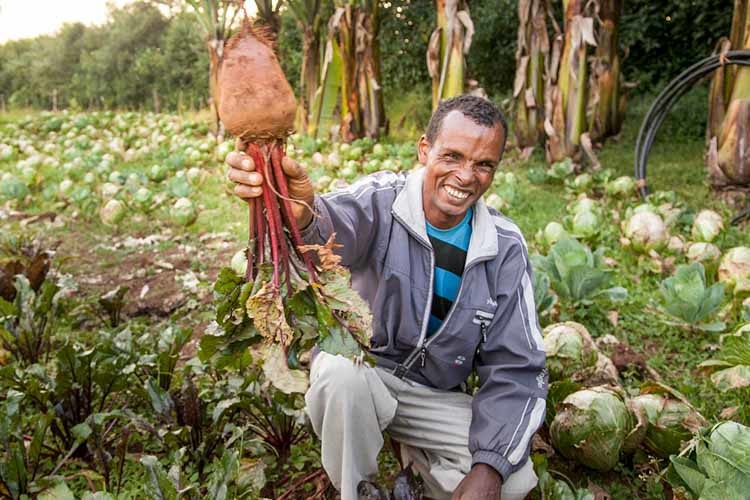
pixel 456 193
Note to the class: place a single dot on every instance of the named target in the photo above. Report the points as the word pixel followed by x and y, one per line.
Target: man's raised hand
pixel 249 182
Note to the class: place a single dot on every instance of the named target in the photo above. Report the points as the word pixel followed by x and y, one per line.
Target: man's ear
pixel 423 150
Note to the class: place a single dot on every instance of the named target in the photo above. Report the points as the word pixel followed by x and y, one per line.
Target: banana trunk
pixel 607 100
pixel 567 90
pixel 532 58
pixel 729 115
pixel 448 45
pixel 354 27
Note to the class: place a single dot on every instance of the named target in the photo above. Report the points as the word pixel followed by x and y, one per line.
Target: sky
pixel 29 18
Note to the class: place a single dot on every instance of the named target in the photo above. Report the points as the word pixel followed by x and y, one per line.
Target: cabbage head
pixel 585 224
pixel 645 230
pixel 671 422
pixel 553 232
pixel 734 268
pixel 183 212
pixel 569 349
pixel 707 225
pixel 112 212
pixel 591 426
pixel 621 187
pixel 703 252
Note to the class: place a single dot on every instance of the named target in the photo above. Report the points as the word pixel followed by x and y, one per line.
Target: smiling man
pixel 449 284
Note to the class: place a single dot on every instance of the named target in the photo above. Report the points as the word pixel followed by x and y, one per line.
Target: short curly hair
pixel 478 109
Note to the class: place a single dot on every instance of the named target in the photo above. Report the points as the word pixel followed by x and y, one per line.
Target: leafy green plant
pixel 556 489
pixel 690 301
pixel 543 299
pixel 716 465
pixel 185 419
pixel 112 302
pixel 229 477
pixel 158 352
pixel 27 323
pixel 20 463
pixel 577 274
pixel 730 367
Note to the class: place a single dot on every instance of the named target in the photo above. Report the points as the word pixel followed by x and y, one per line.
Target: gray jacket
pixel 379 221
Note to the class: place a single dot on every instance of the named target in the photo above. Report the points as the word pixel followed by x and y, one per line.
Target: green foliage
pixel 577 274
pixel 664 38
pixel 137 53
pixel 26 325
pixel 492 59
pixel 19 463
pixel 543 299
pixel 556 489
pixel 717 465
pixel 688 299
pixel 405 29
pixel 730 366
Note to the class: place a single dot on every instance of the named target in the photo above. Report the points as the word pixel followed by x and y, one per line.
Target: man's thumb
pixel 292 169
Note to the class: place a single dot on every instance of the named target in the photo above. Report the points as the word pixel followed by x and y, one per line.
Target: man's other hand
pixel 481 483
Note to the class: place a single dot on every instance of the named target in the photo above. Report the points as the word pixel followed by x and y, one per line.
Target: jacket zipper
pixel 422 346
pixel 402 368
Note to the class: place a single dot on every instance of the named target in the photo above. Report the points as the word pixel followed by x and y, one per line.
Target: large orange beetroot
pixel 256 101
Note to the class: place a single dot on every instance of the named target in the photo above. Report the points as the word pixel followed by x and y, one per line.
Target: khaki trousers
pixel 350 405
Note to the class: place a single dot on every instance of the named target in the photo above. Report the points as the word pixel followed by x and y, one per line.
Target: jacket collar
pixel 408 208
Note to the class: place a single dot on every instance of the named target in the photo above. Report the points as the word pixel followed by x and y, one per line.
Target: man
pixel 449 284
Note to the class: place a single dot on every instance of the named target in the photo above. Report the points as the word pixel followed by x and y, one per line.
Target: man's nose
pixel 465 173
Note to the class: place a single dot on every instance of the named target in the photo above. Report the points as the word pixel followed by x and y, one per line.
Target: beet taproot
pixel 256 100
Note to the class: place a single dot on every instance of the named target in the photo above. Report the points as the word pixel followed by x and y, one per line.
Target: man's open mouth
pixel 456 193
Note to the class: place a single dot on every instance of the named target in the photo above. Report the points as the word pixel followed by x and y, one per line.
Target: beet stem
pixel 272 229
pixel 277 153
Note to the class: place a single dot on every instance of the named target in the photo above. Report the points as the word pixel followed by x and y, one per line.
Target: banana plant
pixel 351 72
pixel 608 99
pixel 308 16
pixel 216 18
pixel 268 16
pixel 447 48
pixel 729 111
pixel 567 88
pixel 532 61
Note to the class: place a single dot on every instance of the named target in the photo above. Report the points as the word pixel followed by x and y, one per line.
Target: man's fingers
pixel 253 179
pixel 238 159
pixel 247 192
pixel 291 168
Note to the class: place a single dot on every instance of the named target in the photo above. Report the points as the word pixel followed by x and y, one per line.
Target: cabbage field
pixel 121 275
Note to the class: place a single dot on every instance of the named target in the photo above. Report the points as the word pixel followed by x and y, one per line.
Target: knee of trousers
pixel 336 382
pixel 520 483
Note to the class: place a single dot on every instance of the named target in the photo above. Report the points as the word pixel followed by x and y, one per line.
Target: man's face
pixel 460 167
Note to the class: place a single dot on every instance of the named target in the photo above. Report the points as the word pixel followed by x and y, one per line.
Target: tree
pixel 532 64
pixel 608 99
pixel 216 17
pixel 350 76
pixel 567 89
pixel 448 45
pixel 308 16
pixel 728 130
